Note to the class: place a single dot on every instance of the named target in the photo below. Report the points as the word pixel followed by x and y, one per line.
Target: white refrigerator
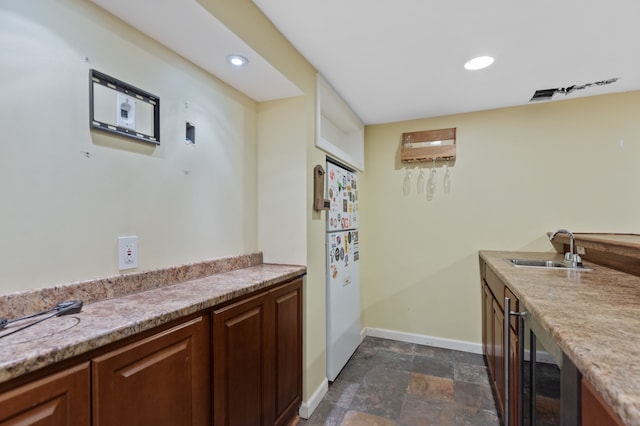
pixel 343 268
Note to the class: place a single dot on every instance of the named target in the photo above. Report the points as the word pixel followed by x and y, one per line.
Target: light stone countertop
pixel 594 317
pixel 107 321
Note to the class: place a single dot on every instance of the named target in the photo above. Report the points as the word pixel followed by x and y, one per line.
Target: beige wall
pixel 282 181
pixel 519 173
pixel 62 211
pixel 248 22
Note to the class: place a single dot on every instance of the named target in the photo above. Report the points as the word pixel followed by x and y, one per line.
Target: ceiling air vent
pixel 547 94
pixel 543 95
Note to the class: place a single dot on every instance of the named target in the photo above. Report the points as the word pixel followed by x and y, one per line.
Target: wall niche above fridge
pixel 339 131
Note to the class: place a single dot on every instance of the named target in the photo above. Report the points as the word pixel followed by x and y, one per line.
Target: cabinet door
pixel 287 311
pixel 61 399
pixel 161 380
pixel 514 383
pixel 595 410
pixel 242 364
pixel 487 326
pixel 514 357
pixel 498 351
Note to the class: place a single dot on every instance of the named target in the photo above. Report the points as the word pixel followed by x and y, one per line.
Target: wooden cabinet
pixel 241 366
pixel 595 410
pixel 257 358
pixel 493 342
pixel 160 380
pixel 61 399
pixel 488 331
pixel 173 377
pixel 514 383
pixel 514 357
pixel 498 351
pixel 287 310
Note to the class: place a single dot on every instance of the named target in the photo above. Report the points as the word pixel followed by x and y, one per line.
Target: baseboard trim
pixel 458 345
pixel 308 407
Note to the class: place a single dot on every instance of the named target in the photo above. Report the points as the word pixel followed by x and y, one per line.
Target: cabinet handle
pixel 507 365
pixel 521 316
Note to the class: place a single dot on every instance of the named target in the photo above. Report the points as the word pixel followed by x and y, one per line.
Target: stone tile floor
pixel 387 383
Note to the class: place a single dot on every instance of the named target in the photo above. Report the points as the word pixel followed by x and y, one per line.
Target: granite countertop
pixel 107 321
pixel 593 316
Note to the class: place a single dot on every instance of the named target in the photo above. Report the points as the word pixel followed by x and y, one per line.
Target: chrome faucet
pixel 570 257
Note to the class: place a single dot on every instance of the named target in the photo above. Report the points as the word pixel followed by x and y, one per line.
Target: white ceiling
pixel 394 60
pixel 403 59
pixel 185 27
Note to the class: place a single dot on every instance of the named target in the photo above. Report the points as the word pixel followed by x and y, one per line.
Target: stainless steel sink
pixel 547 264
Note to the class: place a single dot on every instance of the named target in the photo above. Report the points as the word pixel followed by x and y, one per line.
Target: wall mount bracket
pixel 138 119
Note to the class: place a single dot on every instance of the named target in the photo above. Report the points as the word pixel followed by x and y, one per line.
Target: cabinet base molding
pixel 294 421
pixel 308 407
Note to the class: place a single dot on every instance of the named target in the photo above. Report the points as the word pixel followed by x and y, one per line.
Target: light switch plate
pixel 127 253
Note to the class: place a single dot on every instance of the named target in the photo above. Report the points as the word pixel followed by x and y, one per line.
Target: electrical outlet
pixel 127 253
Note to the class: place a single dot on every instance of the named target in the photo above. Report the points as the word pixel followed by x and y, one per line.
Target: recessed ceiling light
pixel 237 60
pixel 478 63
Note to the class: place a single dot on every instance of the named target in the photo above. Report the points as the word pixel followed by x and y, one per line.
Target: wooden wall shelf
pixel 617 251
pixel 428 145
